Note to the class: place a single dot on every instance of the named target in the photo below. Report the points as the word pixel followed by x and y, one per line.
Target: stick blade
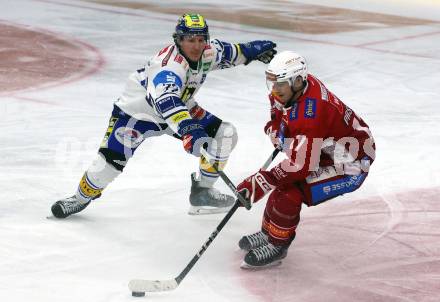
pixel 139 285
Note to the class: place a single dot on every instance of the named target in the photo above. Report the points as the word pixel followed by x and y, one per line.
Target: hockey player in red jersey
pixel 329 149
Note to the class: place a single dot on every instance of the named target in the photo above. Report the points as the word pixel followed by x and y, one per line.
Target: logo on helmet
pixel 191 25
pixel 194 21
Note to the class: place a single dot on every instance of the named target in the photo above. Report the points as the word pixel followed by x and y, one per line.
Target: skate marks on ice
pixel 384 248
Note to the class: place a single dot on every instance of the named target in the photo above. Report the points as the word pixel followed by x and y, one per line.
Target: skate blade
pixel 194 210
pixel 52 217
pixel 247 266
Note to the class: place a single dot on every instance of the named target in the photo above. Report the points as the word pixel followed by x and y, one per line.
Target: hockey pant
pixel 282 213
pixel 125 134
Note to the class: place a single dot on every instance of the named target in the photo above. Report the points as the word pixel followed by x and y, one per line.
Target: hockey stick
pixel 271 158
pixel 138 287
pixel 246 203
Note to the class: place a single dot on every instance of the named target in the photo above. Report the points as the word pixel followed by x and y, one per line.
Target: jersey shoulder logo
pixel 164 50
pixel 167 57
pixel 167 77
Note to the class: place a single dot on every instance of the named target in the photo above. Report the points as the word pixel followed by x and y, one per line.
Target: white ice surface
pixel 380 243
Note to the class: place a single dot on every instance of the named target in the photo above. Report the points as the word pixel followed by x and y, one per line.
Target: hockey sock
pixel 220 148
pixel 208 175
pixel 283 211
pixel 96 179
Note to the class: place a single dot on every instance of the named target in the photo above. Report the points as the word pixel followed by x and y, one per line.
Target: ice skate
pixel 265 256
pixel 253 241
pixel 68 206
pixel 207 200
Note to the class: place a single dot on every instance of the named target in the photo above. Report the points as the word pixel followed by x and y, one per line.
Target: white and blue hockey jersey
pixel 163 91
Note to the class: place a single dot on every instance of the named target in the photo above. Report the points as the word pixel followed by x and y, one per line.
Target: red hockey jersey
pixel 318 130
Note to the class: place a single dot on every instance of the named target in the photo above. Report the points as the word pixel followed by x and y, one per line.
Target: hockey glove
pixel 272 132
pixel 256 186
pixel 193 136
pixel 262 51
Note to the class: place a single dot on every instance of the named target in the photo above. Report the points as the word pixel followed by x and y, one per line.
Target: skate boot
pixel 68 206
pixel 253 241
pixel 265 256
pixel 207 200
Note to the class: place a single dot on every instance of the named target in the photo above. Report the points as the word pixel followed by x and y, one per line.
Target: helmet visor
pixel 194 35
pixel 273 83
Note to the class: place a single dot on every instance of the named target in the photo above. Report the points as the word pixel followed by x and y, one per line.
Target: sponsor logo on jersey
pixel 310 108
pixel 188 93
pixel 294 112
pixel 180 116
pixel 167 77
pixel 128 137
pixel 109 131
pixel 324 93
pixel 354 180
pixel 165 105
pixel 206 66
pixel 171 78
pixel 197 112
pixel 347 115
pixel 326 190
pixel 178 59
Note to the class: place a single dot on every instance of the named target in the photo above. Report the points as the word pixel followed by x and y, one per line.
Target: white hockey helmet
pixel 286 66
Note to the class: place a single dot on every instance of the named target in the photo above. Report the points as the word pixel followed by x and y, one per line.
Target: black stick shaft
pixel 222 223
pixel 270 159
pixel 207 242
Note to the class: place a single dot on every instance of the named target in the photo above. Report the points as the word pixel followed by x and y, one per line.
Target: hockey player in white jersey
pixel 159 99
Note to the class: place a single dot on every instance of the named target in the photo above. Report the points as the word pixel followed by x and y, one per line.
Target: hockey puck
pixel 138 294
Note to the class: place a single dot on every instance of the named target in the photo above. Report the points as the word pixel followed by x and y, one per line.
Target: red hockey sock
pixel 282 214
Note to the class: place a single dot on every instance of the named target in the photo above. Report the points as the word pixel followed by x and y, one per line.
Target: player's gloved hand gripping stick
pixel 240 198
pixel 138 287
